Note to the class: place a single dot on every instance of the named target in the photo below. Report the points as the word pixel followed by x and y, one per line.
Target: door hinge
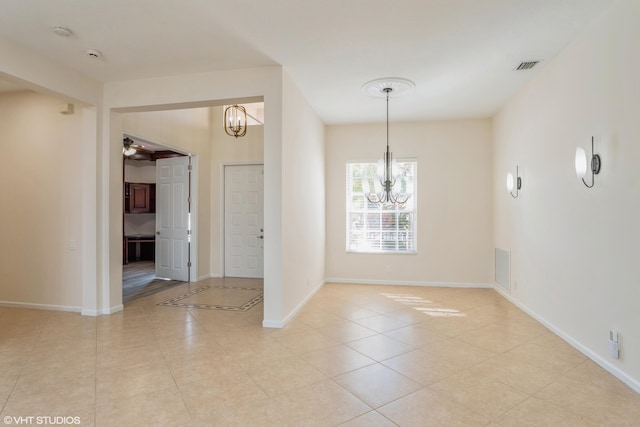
pixel 189 264
pixel 190 167
pixel 188 232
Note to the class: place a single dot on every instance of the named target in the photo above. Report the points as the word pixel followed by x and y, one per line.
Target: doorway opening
pixel 156 227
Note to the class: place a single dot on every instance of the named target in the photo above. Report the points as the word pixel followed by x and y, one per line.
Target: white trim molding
pixel 613 370
pixel 412 283
pixel 53 307
pixel 282 323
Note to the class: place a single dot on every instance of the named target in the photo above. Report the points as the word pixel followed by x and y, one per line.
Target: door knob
pixel 260 237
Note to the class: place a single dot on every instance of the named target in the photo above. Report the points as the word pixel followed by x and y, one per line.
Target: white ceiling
pixel 460 53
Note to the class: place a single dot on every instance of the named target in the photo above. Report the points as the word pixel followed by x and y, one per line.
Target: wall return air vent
pixel 527 65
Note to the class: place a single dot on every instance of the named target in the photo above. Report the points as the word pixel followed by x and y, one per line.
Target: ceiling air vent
pixel 526 65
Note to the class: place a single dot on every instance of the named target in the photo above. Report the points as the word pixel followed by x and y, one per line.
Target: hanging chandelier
pixel 384 191
pixel 235 120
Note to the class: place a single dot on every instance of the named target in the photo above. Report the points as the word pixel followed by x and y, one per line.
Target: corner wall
pixel 303 201
pixel 574 250
pixel 41 218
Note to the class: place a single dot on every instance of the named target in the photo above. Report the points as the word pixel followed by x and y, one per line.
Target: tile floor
pixel 356 355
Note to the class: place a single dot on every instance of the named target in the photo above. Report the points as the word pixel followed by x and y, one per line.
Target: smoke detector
pixel 93 53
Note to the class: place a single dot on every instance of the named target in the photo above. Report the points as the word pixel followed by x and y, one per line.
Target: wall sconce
pixel 581 165
pixel 235 120
pixel 511 183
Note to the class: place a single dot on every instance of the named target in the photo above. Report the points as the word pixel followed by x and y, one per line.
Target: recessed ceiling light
pixel 93 53
pixel 61 31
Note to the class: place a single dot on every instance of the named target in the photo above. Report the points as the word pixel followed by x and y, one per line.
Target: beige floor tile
pixel 12 363
pixel 61 399
pixel 421 367
pixel 157 365
pixel 282 375
pixel 594 401
pixel 55 374
pixel 425 408
pixel 495 337
pixel 370 419
pixel 259 352
pixel 381 323
pixel 519 375
pixel 558 361
pixel 120 383
pixel 263 413
pixel 458 354
pixel 323 403
pixel 535 412
pixel 379 347
pixel 377 385
pixel 207 399
pixel 416 336
pixel 346 332
pixel 306 341
pixel 127 357
pixel 318 318
pixel 479 393
pixel 456 323
pixel 337 360
pixel 203 367
pixel 162 408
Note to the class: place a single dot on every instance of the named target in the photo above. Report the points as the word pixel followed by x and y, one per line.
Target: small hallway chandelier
pixel 384 191
pixel 235 120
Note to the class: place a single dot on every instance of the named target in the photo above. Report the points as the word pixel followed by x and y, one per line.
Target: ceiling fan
pixel 129 147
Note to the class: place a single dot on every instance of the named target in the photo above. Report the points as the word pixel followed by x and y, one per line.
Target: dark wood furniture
pixel 139 198
pixel 141 252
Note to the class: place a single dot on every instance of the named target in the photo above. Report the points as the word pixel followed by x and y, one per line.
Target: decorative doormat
pixel 230 298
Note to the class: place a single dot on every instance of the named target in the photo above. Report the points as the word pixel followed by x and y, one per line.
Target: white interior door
pixel 244 221
pixel 172 218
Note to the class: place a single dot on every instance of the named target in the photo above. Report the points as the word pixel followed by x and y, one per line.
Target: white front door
pixel 172 218
pixel 244 221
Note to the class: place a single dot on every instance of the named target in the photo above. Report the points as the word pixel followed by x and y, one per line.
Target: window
pixel 255 113
pixel 376 228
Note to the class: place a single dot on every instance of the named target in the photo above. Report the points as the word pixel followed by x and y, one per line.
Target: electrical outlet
pixel 72 245
pixel 614 344
pixel 515 284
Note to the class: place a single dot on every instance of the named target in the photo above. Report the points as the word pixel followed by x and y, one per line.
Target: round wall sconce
pixel 514 183
pixel 582 162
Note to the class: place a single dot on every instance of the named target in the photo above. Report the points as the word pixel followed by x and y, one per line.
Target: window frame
pixel 349 211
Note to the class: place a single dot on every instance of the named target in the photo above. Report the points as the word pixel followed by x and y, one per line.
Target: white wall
pixel 574 250
pixel 303 200
pixel 226 149
pixel 41 187
pixel 454 202
pixel 189 91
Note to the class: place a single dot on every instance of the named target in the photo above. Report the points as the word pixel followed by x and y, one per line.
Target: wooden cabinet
pixel 139 198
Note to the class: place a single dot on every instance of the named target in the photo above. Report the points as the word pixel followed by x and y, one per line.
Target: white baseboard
pixel 411 283
pixel 282 323
pixel 107 311
pixel 40 306
pixel 605 364
pixel 209 276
